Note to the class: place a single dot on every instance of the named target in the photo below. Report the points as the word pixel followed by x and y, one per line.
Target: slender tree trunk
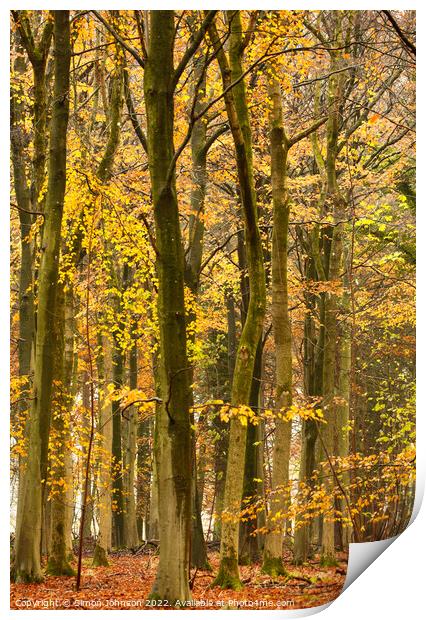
pixel 130 525
pixel 192 268
pixel 103 542
pixel 329 407
pixel 85 398
pixel 38 54
pixel 117 453
pixel 344 395
pixel 272 555
pixel 110 366
pixel 237 111
pixel 70 388
pixel 309 429
pixel 201 477
pixel 144 479
pixel 18 141
pixel 334 199
pixel 154 524
pixel 27 550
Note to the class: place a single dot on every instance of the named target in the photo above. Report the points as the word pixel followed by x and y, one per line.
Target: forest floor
pixel 126 583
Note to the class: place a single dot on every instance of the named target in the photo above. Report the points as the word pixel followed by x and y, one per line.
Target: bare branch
pixel 306 132
pixel 409 45
pixel 196 41
pixel 117 37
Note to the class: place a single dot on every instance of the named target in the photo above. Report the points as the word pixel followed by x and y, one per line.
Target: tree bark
pixel 58 563
pixel 309 430
pixel 334 202
pixel 249 547
pixel 111 366
pixel 192 277
pixel 173 433
pixel 237 111
pixel 272 555
pixel 27 550
pixel 27 190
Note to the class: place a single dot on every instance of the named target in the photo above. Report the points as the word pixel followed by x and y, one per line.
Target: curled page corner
pixel 361 555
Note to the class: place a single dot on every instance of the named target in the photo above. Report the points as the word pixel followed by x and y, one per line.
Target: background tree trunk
pixel 131 425
pixel 103 542
pixel 272 554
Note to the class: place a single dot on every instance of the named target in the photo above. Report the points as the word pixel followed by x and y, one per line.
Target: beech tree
pixel 27 547
pixel 237 111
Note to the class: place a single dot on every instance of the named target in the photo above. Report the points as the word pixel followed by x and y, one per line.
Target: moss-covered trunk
pixel 249 545
pixel 59 543
pixel 27 188
pixel 173 432
pixel 238 116
pixel 27 550
pixel 18 143
pixel 70 385
pixel 192 275
pixel 272 555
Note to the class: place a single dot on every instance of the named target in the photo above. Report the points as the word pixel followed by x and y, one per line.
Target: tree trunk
pixel 237 111
pixel 309 429
pixel 70 385
pixel 172 433
pixel 344 395
pixel 110 368
pixel 334 201
pixel 154 524
pixel 130 526
pixel 328 403
pixel 18 140
pixel 117 453
pixel 27 550
pixel 248 543
pixel 272 554
pixel 27 193
pixel 103 542
pixel 192 268
pixel 60 437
